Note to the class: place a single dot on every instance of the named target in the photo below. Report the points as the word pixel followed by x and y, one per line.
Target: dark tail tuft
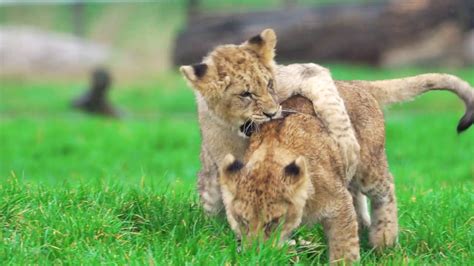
pixel 466 121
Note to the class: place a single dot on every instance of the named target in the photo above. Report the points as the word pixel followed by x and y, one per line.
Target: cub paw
pixel 351 154
pixel 383 236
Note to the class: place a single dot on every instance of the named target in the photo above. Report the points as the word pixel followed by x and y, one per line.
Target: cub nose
pixel 270 115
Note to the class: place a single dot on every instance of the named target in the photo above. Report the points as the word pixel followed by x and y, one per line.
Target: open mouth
pixel 248 128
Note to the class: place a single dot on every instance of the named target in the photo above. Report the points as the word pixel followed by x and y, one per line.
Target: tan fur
pixel 400 90
pixel 316 84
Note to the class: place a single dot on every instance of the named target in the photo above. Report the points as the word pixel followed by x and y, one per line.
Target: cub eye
pixel 246 94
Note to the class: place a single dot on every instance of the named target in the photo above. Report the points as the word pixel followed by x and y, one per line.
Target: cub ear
pixel 295 172
pixel 194 72
pixel 299 185
pixel 264 45
pixel 229 169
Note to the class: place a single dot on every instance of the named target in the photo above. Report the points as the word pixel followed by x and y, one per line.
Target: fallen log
pixel 357 33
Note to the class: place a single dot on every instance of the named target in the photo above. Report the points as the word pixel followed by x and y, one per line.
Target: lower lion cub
pixel 294 173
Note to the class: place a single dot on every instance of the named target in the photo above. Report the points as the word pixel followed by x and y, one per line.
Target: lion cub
pixel 285 182
pixel 294 173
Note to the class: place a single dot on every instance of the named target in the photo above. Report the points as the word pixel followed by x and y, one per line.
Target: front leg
pixel 341 231
pixel 208 185
pixel 316 84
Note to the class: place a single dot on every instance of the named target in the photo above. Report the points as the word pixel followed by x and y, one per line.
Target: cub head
pixel 236 82
pixel 264 197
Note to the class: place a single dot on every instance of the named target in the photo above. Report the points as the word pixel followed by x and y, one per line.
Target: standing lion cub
pixel 238 87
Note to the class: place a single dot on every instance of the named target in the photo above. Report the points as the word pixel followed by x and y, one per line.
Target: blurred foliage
pixel 144 31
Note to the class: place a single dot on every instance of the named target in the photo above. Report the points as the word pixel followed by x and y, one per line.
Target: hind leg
pixel 384 228
pixel 359 201
pixel 208 186
pixel 210 194
pixel 362 209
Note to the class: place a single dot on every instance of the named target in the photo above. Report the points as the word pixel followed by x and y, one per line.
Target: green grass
pixel 76 189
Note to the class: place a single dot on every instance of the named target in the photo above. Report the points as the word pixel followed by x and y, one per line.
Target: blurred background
pixel 147 37
pixel 50 52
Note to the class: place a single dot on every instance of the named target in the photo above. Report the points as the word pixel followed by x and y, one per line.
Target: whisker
pixel 289 111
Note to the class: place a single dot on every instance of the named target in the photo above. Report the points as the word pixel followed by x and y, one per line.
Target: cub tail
pixel 404 89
